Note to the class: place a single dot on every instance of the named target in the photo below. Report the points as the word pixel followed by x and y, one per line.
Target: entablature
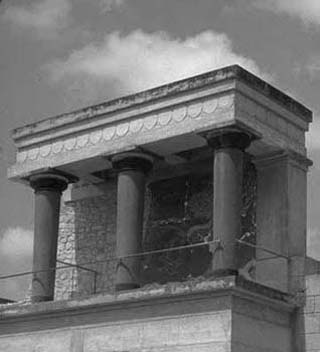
pixel 164 121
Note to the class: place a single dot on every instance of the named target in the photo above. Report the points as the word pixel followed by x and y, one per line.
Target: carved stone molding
pixel 112 132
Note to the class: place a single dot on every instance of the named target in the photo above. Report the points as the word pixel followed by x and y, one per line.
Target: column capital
pixel 132 161
pixel 51 181
pixel 232 139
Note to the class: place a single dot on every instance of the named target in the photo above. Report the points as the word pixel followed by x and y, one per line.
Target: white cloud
pixel 309 71
pixel 311 67
pixel 110 5
pixel 306 10
pixel 46 17
pixel 125 64
pixel 16 247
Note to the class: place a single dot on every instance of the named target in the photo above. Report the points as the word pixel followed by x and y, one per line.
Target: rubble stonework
pixel 177 212
pixel 87 234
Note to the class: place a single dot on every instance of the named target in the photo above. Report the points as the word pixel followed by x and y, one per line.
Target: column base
pixel 126 287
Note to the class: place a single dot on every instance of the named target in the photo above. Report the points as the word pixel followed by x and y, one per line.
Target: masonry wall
pixel 178 212
pixel 257 327
pixel 204 333
pixel 86 236
pixel 222 315
pixel 310 323
pixel 96 325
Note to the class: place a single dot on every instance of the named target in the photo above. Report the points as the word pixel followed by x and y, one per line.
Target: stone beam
pixel 223 98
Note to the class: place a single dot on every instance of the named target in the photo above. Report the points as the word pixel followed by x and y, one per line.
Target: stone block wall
pixel 223 315
pixel 310 325
pixel 178 211
pixel 87 235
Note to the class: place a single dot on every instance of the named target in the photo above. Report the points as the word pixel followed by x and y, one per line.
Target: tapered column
pixel 227 184
pixel 48 188
pixel 132 169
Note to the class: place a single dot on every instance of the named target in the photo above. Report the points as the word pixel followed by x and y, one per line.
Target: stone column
pixel 48 188
pixel 227 189
pixel 132 169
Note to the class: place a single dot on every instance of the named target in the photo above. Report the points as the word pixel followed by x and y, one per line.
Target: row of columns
pixel 132 170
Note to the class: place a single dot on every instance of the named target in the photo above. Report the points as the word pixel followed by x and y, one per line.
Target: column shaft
pixel 227 202
pixel 130 208
pixel 48 189
pixel 47 208
pixel 129 227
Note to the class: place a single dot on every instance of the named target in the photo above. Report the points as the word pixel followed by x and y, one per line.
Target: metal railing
pixel 116 259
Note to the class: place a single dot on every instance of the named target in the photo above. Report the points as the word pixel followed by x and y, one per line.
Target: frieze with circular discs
pixel 57 147
pixel 174 116
pixel 33 153
pixel 45 150
pixel 108 133
pixel 95 136
pixel 164 118
pixel 136 125
pixel 210 106
pixel 82 140
pixel 194 110
pixel 70 143
pixel 179 114
pixel 150 122
pixel 122 129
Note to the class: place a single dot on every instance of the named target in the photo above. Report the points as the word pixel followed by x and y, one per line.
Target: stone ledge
pixel 200 81
pixel 150 294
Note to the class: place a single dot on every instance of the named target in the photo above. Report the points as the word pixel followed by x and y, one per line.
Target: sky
pixel 60 55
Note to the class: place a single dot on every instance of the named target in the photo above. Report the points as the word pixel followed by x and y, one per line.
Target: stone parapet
pixel 201 315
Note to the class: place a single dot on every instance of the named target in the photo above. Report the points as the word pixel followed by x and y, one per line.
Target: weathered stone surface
pixel 196 316
pixel 171 122
pixel 181 214
pixel 87 236
pixel 178 212
pixel 228 97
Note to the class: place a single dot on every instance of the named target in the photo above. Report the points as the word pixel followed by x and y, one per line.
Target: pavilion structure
pixel 212 124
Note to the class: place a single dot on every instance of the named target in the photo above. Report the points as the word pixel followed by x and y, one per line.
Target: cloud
pixel 110 5
pixel 16 247
pixel 311 67
pixel 125 64
pixel 309 71
pixel 306 10
pixel 45 17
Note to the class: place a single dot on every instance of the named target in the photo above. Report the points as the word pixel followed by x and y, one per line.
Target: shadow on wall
pixel 178 212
